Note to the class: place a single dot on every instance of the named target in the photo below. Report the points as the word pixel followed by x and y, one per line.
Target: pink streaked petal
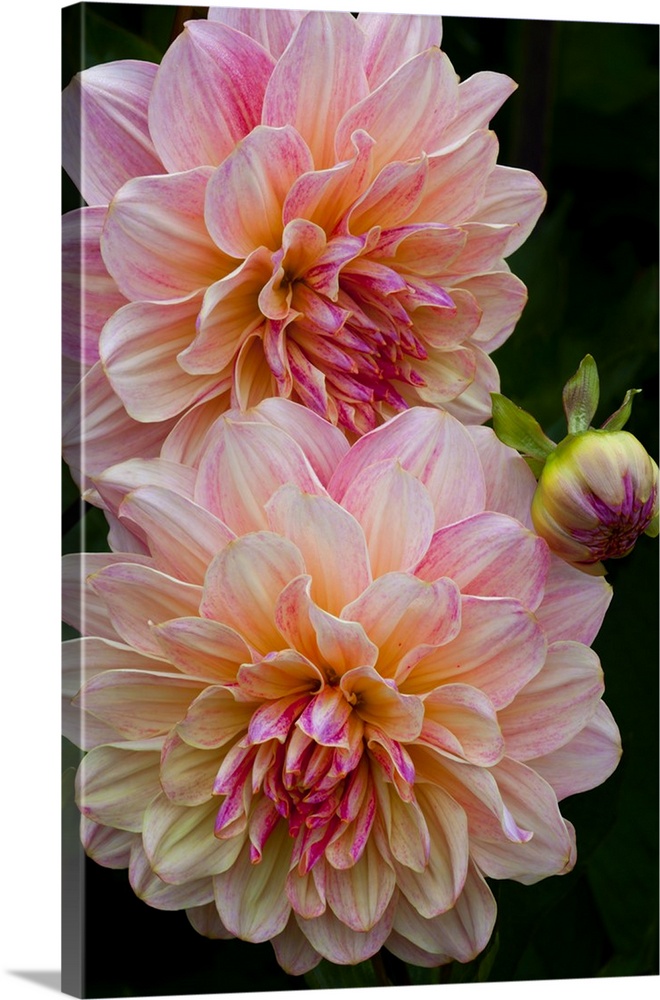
pixel 393 760
pixel 105 137
pixel 140 704
pixel 326 195
pixel 274 719
pixel 379 703
pixel 98 432
pixel 258 172
pixel 406 617
pixel 574 604
pixel 360 895
pixel 474 788
pixel 214 718
pixel 489 555
pixel 459 934
pixel 152 890
pixel 316 80
pixel 242 466
pixel 138 595
pixel 422 250
pixel 186 772
pixel 271 28
pixel 393 39
pixel 556 704
pixel 474 405
pixel 115 784
pixel 551 851
pixel 392 198
pixel 323 444
pixel 479 98
pixel 293 951
pixel 278 675
pixel 431 445
pixel 512 195
pixel 510 483
pixel 206 921
pixel 180 844
pixel 139 347
pixel 340 944
pixel 330 540
pixel 403 131
pixel 383 495
pixel 116 482
pixel 243 585
pixel 447 328
pixel 183 537
pixel 457 179
pixel 485 246
pixel 309 382
pixel 325 718
pixel 251 898
pixel 585 761
pixel 499 649
pixel 89 293
pixel 203 648
pixel 460 720
pixel 108 847
pixel 207 94
pixel 436 889
pixel 229 315
pixel 81 606
pixel 501 297
pixel 154 242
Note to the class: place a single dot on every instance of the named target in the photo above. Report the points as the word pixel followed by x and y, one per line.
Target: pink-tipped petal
pixel 207 94
pixel 271 28
pixel 479 98
pixel 501 298
pixel 489 555
pixel 105 136
pixel 574 604
pixel 154 242
pixel 393 39
pixel 316 80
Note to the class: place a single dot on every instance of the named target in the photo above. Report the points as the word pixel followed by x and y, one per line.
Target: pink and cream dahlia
pixel 293 204
pixel 331 690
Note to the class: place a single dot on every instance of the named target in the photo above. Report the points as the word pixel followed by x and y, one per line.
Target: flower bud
pixel 597 493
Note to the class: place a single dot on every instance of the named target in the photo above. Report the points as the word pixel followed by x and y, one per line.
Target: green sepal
pixel 620 417
pixel 580 396
pixel 535 464
pixel 519 429
pixel 654 527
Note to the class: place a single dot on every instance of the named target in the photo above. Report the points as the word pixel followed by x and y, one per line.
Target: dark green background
pixel 585 119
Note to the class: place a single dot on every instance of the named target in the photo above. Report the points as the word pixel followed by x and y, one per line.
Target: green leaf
pixel 519 429
pixel 620 417
pixel 580 396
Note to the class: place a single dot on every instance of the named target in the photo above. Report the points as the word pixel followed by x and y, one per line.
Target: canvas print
pixel 360 499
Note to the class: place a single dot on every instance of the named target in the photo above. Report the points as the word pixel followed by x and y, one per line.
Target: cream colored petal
pixel 206 921
pixel 105 844
pixel 251 898
pixel 180 844
pixel 187 773
pixel 115 784
pixel 293 951
pixel 202 647
pixel 340 944
pixel 161 895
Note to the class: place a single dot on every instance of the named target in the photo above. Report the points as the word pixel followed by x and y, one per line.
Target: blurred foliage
pixel 585 119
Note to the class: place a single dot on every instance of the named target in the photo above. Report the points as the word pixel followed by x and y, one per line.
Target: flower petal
pixel 317 79
pixel 360 895
pixel 179 841
pixel 585 761
pixel 393 39
pixel 186 772
pixel 105 845
pixel 115 784
pixel 203 648
pixel 330 541
pixel 556 704
pixel 207 94
pixel 154 242
pixel 105 137
pixel 457 179
pixel 574 604
pixel 271 28
pixel 340 944
pixel 149 887
pixel 293 951
pixel 251 898
pixel 489 555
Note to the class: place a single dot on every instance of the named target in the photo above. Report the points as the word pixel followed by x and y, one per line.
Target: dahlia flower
pixel 329 691
pixel 293 204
